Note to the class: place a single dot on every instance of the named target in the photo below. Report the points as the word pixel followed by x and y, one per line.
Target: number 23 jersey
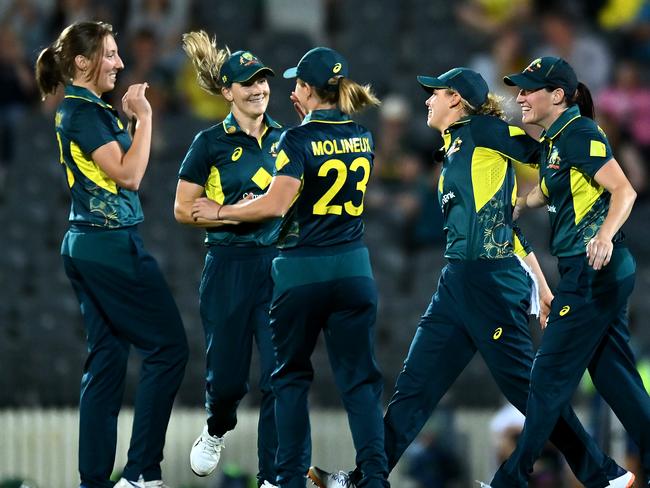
pixel 332 156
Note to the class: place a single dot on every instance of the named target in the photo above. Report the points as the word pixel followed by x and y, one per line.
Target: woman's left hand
pixel 599 251
pixel 205 208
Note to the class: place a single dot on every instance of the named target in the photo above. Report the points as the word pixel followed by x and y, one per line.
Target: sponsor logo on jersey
pixel 564 310
pixel 447 196
pixel 498 332
pixel 237 153
pixel 274 149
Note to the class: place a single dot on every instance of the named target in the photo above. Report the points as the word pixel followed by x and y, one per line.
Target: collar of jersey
pixel 568 116
pixel 73 91
pixel 462 121
pixel 231 126
pixel 329 116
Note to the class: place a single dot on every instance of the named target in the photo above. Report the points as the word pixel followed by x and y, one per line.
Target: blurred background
pixel 388 43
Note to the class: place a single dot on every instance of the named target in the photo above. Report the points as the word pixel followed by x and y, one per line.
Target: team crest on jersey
pixel 455 146
pixel 553 160
pixel 535 65
pixel 274 149
pixel 247 59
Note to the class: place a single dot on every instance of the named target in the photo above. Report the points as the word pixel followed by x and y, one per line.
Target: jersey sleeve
pixel 587 149
pixel 195 167
pixel 91 127
pixel 509 140
pixel 290 158
pixel 521 245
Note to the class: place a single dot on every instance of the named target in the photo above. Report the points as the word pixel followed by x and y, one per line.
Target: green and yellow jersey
pixel 478 188
pixel 84 122
pixel 574 148
pixel 231 165
pixel 333 156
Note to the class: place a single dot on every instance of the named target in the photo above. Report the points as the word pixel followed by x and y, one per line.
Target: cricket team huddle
pixel 282 213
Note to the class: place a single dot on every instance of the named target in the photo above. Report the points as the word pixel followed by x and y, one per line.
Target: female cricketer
pixel 322 277
pixel 228 162
pixel 588 199
pixel 124 298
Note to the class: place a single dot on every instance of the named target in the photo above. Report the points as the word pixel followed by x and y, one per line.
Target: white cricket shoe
pixel 624 481
pixel 141 483
pixel 205 453
pixel 324 479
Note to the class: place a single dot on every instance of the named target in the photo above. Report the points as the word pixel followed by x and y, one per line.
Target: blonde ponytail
pixel 207 59
pixel 350 96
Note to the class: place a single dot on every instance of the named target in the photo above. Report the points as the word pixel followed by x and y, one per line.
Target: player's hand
pixel 300 110
pixel 520 205
pixel 545 300
pixel 204 208
pixel 599 251
pixel 135 103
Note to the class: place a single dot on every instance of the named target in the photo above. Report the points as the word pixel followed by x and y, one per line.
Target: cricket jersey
pixel 477 187
pixel 231 165
pixel 84 122
pixel 574 148
pixel 333 156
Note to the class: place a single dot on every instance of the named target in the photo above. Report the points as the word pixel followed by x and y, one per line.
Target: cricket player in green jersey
pixel 588 199
pixel 484 294
pixel 322 277
pixel 124 298
pixel 228 162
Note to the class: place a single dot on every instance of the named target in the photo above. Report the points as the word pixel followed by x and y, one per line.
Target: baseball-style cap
pixel 468 83
pixel 241 66
pixel 318 66
pixel 548 71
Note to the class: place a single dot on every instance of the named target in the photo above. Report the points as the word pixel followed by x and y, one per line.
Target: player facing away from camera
pixel 124 298
pixel 588 199
pixel 322 277
pixel 228 162
pixel 485 292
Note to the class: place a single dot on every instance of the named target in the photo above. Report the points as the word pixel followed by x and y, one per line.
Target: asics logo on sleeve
pixel 498 332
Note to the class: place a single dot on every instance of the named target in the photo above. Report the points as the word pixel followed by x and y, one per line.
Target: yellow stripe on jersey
pixel 597 149
pixel 281 160
pixel 516 131
pixel 441 182
pixel 90 170
pixel 519 248
pixel 585 192
pixel 544 188
pixel 446 138
pixel 68 171
pixel 488 174
pixel 213 188
pixel 262 178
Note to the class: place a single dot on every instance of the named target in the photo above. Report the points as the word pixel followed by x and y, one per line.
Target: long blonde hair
pixel 207 59
pixel 350 96
pixel 492 106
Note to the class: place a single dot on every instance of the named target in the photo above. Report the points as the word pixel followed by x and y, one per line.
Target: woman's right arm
pixel 186 194
pixel 534 199
pixel 127 169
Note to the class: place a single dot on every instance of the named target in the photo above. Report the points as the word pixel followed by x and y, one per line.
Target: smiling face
pixel 439 104
pixel 109 65
pixel 250 98
pixel 540 107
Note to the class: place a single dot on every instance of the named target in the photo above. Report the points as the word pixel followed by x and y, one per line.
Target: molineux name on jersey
pixel 341 146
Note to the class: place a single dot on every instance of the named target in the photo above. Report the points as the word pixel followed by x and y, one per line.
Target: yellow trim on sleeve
pixel 68 171
pixel 544 188
pixel 585 192
pixel 488 174
pixel 597 149
pixel 519 249
pixel 213 188
pixel 441 183
pixel 90 170
pixel 281 160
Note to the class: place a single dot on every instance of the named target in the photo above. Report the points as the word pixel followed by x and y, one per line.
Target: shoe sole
pixel 313 477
